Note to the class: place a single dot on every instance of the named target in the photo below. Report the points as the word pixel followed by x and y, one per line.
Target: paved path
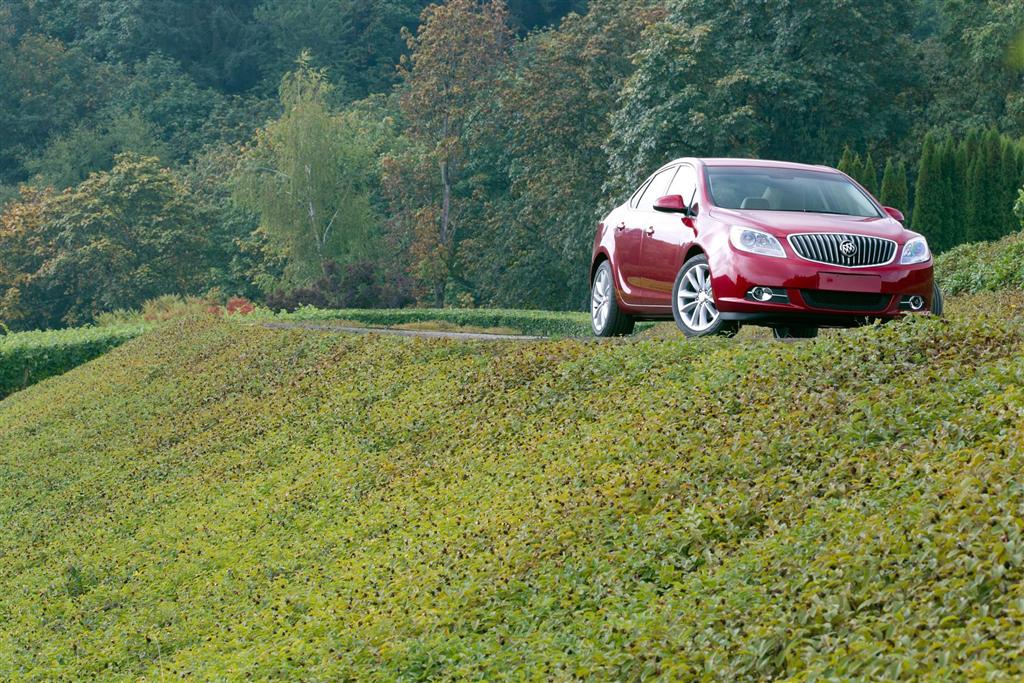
pixel 425 334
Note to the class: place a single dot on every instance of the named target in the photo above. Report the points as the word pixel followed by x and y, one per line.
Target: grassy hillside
pixel 983 267
pixel 28 357
pixel 220 500
pixel 539 323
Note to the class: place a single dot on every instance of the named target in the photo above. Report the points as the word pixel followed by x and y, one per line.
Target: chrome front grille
pixel 839 249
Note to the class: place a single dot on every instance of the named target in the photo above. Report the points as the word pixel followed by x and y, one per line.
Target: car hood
pixel 781 223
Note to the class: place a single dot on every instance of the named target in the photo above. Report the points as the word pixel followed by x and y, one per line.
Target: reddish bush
pixel 240 305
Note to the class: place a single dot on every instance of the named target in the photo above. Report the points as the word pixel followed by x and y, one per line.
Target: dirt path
pixel 425 334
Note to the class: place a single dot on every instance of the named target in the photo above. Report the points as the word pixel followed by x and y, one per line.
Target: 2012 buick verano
pixel 716 243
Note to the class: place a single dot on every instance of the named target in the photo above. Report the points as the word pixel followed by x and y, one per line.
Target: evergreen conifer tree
pixel 983 188
pixel 846 161
pixel 1009 188
pixel 931 202
pixel 894 185
pixel 869 175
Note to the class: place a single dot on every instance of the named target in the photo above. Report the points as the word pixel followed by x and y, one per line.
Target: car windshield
pixel 782 189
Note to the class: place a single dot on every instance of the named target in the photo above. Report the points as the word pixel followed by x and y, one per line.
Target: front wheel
pixel 693 302
pixel 606 318
pixel 938 301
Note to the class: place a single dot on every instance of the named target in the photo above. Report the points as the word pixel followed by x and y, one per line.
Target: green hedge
pixel 223 501
pixel 982 266
pixel 538 323
pixel 29 357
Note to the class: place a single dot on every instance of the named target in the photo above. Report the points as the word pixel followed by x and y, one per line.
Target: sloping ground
pixel 29 357
pixel 983 266
pixel 532 323
pixel 223 501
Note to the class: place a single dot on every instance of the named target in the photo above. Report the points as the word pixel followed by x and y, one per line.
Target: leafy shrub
pixel 29 357
pixel 174 307
pixel 223 501
pixel 982 266
pixel 539 323
pixel 355 285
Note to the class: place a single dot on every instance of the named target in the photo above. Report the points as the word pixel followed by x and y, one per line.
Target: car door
pixel 666 239
pixel 630 229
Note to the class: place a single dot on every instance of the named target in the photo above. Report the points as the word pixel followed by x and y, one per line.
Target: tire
pixel 795 332
pixel 938 301
pixel 693 302
pixel 606 318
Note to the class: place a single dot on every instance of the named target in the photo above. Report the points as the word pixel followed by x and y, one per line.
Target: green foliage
pixel 114 241
pixel 895 192
pixel 747 79
pixel 218 501
pixel 456 53
pixel 966 189
pixel 69 158
pixel 932 201
pixel 535 323
pixel 979 39
pixel 306 177
pixel 869 175
pixel 30 357
pixel 983 266
pixel 508 129
pixel 540 162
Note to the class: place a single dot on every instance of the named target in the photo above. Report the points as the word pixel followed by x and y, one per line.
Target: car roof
pixel 754 163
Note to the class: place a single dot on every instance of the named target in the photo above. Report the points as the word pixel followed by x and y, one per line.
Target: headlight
pixel 755 242
pixel 915 251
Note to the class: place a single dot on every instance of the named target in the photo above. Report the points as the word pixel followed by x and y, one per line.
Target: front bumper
pixel 813 295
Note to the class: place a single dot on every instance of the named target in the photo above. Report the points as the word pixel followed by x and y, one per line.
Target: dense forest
pixel 372 153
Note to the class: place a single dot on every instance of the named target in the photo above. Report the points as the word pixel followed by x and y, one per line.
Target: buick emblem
pixel 849 248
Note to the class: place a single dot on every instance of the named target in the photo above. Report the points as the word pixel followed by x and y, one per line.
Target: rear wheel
pixel 693 302
pixel 795 332
pixel 606 318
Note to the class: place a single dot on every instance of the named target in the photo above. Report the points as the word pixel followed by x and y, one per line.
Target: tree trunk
pixel 446 204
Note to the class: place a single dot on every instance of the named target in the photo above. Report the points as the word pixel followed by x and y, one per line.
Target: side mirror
pixel 672 203
pixel 895 213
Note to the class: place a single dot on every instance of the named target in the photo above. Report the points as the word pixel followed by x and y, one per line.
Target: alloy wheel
pixel 600 299
pixel 695 300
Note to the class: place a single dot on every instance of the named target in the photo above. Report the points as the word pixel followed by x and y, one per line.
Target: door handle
pixel 621 226
pixel 650 231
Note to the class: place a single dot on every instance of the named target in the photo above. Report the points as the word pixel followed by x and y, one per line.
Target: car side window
pixel 685 184
pixel 635 199
pixel 658 187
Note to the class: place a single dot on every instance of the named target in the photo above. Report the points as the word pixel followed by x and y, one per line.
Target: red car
pixel 716 243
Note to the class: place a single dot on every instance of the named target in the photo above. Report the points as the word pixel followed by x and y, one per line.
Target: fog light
pixel 762 294
pixel 914 303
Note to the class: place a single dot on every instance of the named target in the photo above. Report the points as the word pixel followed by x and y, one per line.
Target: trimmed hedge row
pixel 224 501
pixel 983 266
pixel 538 323
pixel 30 357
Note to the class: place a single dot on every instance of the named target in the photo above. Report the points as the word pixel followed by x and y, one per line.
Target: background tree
pixel 118 239
pixel 776 79
pixel 932 200
pixel 894 186
pixel 454 57
pixel 306 178
pixel 869 175
pixel 541 162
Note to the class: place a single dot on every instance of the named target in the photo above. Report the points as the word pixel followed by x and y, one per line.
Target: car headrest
pixel 755 204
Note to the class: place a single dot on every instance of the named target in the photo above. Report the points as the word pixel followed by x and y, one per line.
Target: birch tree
pixel 307 175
